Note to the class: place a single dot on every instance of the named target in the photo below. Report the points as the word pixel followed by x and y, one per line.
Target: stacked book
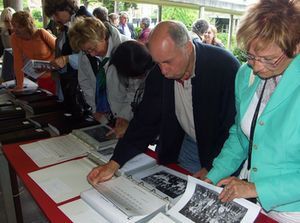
pixel 14 127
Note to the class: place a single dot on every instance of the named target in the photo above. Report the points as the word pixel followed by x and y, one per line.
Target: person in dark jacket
pixel 64 13
pixel 188 102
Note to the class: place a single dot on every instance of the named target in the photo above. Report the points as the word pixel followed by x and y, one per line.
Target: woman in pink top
pixel 30 43
pixel 145 25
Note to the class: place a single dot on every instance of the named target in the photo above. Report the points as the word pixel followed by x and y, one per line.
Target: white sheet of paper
pixel 161 218
pixel 64 181
pixel 28 84
pixel 137 163
pixel 80 212
pixel 54 150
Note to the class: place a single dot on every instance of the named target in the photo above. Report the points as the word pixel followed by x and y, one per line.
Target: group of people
pixel 211 120
pixel 121 22
pixel 214 119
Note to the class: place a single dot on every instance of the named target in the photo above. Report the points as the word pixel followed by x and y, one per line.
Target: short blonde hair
pixel 6 14
pixel 271 21
pixel 85 30
pixel 24 19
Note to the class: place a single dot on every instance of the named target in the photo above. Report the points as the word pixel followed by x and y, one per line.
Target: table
pixel 20 164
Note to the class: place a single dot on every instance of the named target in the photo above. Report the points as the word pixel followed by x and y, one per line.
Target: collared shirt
pixel 184 104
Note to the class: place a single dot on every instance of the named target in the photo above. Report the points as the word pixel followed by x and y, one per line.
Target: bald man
pixel 188 102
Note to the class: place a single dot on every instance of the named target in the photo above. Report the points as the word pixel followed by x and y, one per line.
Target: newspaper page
pixel 200 203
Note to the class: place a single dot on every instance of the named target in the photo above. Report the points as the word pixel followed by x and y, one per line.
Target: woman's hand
pixel 236 188
pixel 60 62
pixel 17 88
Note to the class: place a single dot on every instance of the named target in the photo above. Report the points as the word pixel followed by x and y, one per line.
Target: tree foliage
pixel 185 15
pixel 110 5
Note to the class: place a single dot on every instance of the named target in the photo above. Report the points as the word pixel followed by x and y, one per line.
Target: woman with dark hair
pixel 132 63
pixel 64 12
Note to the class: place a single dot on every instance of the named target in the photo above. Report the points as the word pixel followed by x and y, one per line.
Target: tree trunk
pixel 15 4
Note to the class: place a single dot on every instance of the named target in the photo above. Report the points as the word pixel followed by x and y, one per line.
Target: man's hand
pixel 236 188
pixel 201 174
pixel 102 173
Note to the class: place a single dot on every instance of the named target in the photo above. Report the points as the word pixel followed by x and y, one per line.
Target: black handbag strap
pixel 253 124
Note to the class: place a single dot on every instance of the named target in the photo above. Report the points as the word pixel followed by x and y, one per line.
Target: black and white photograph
pixel 167 183
pixel 205 207
pixel 99 133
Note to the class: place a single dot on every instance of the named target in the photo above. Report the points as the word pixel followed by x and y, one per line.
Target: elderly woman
pixel 6 26
pixel 266 132
pixel 210 37
pixel 29 43
pixel 96 40
pixel 145 26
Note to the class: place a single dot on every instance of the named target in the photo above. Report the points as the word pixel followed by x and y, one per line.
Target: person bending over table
pixel 191 115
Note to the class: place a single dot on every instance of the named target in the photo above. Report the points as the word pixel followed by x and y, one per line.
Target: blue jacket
pixel 275 167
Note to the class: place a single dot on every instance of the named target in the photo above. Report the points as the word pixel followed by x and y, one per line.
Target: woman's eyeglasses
pixel 268 62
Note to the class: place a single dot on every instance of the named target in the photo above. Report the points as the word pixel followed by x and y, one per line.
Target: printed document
pixel 64 181
pixel 54 150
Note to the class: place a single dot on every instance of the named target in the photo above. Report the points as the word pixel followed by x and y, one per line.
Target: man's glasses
pixel 268 62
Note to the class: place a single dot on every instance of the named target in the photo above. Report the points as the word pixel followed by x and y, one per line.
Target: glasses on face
pixel 90 50
pixel 266 61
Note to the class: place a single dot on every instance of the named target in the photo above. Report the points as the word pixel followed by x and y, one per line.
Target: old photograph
pixel 167 183
pixel 205 207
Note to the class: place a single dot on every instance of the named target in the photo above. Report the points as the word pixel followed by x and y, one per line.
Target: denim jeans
pixel 188 156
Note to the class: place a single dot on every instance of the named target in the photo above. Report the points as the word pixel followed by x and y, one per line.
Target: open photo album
pixel 57 149
pixel 124 200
